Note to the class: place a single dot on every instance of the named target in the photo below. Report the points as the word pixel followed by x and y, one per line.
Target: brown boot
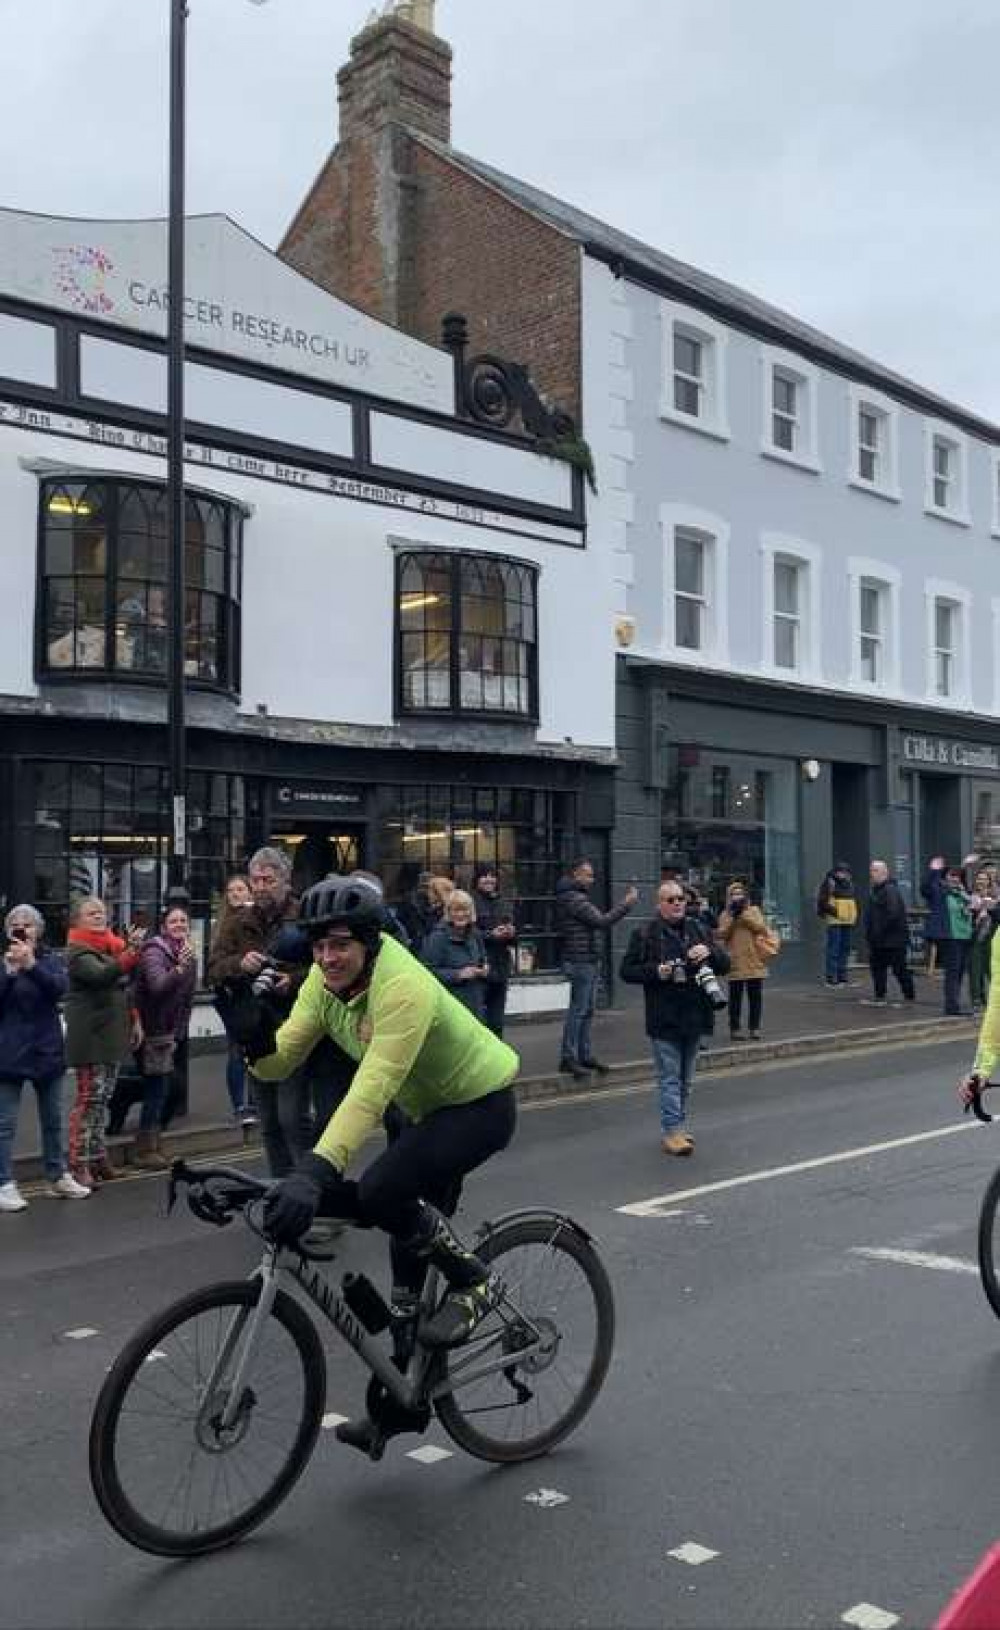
pixel 147 1155
pixel 102 1170
pixel 677 1143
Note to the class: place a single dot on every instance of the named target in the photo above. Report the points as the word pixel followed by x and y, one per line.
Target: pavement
pixel 799 1020
pixel 799 1427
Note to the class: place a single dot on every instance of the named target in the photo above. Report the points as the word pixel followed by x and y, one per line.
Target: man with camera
pixel 672 959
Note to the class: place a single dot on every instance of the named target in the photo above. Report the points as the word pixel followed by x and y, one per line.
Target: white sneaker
pixel 11 1198
pixel 66 1187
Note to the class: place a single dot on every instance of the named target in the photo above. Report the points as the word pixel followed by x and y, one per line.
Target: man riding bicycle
pixel 420 1050
pixel 988 1047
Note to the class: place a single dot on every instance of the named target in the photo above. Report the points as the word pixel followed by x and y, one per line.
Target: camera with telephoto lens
pixel 709 986
pixel 266 979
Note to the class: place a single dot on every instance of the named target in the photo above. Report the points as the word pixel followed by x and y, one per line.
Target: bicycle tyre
pixel 987 1226
pixel 455 1416
pixel 144 1347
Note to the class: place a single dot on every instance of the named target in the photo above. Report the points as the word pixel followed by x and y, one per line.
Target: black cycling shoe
pixel 362 1435
pixel 460 1313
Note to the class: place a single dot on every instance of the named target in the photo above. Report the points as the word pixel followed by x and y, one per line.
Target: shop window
pixel 729 815
pixel 527 833
pixel 466 634
pixel 102 607
pixel 101 828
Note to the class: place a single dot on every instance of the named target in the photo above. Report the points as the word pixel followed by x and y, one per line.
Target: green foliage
pixel 572 449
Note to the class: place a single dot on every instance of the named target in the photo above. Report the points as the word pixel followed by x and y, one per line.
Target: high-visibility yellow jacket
pixel 988 1051
pixel 417 1046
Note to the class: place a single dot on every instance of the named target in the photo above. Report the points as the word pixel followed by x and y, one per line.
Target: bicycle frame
pixel 411 1392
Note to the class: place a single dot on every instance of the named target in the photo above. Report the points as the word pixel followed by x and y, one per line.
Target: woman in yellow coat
pixel 740 928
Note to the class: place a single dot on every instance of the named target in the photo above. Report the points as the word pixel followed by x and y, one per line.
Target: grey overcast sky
pixel 839 159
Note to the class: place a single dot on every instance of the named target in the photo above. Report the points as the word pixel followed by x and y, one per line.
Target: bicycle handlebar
pixel 214 1192
pixel 976 1101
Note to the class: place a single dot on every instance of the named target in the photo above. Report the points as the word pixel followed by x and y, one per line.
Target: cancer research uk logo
pixel 81 274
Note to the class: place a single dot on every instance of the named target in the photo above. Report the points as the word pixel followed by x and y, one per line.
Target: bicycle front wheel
pixel 558 1314
pixel 988 1242
pixel 168 1475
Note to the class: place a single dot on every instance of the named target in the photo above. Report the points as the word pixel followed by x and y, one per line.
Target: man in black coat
pixel 495 921
pixel 580 925
pixel 670 958
pixel 887 931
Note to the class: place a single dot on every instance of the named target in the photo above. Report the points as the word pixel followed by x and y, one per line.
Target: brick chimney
pixel 354 232
pixel 399 72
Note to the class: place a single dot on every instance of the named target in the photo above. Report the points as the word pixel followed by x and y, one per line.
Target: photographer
pixel 245 970
pixel 740 929
pixel 675 964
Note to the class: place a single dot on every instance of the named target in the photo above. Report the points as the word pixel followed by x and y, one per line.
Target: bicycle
pixel 987 1211
pixel 218 1400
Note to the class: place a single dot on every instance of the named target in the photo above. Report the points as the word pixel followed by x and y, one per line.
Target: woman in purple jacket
pixel 32 984
pixel 163 993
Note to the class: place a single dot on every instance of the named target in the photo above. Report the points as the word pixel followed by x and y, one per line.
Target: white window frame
pixel 861 569
pixel 778 546
pixel 996 655
pixel 937 431
pixel 715 530
pixel 960 598
pixel 713 419
pixel 995 492
pixel 887 412
pixel 805 455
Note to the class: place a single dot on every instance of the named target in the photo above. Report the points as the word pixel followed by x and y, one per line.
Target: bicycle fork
pixel 256 1319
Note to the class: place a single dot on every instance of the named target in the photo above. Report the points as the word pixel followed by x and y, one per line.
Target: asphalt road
pixel 825 1422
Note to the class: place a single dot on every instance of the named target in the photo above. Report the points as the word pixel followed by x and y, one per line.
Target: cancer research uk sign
pixel 942 753
pixel 240 300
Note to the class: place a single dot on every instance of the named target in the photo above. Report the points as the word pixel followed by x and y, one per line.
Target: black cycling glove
pixel 291 1206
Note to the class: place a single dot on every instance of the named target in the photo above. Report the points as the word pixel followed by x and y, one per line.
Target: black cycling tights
pixel 427 1160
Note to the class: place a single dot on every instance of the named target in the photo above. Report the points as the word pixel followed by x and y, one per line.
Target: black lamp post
pixel 176 596
pixel 176 720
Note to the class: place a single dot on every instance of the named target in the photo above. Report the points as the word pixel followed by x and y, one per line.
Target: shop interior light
pixel 446 832
pixel 61 505
pixel 413 602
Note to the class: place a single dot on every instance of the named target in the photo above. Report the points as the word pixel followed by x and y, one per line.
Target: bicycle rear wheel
pixel 558 1310
pixel 988 1244
pixel 166 1474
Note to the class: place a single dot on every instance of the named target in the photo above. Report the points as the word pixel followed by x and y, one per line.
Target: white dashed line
pixel 546 1497
pixel 152 1357
pixel 428 1454
pixel 666 1202
pixel 867 1617
pixel 330 1421
pixel 79 1335
pixel 917 1259
pixel 692 1553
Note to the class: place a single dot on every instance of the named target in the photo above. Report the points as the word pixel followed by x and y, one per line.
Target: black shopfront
pixel 87 801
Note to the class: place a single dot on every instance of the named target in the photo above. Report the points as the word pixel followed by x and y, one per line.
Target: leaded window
pixel 103 607
pixel 466 634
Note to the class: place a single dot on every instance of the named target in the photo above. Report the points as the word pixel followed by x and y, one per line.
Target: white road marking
pixel 79 1335
pixel 652 1207
pixel 917 1259
pixel 154 1355
pixel 867 1617
pixel 428 1454
pixel 330 1421
pixel 692 1553
pixel 546 1497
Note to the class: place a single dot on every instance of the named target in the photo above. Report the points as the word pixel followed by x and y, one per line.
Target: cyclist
pixel 988 1048
pixel 419 1049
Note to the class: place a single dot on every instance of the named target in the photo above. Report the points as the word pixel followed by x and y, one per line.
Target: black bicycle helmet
pixel 356 902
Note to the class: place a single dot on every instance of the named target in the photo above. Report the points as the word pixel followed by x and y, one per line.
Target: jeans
pixel 285 1121
pixel 674 1060
pixel 236 1078
pixel 496 1002
pixel 582 978
pixel 154 1096
pixel 755 1003
pixel 838 949
pixel 955 956
pixel 881 960
pixel 49 1102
